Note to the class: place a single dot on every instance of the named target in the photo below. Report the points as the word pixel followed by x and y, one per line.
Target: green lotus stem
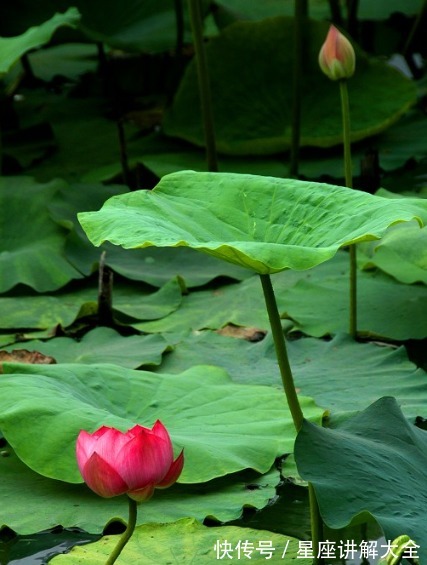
pixel 349 182
pixel 315 521
pixel 204 87
pixel 291 394
pixel 300 15
pixel 281 352
pixel 127 534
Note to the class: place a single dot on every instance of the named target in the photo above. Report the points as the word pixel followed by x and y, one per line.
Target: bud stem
pixel 345 109
pixel 127 534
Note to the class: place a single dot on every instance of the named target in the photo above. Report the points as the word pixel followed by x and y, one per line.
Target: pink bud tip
pixel 337 58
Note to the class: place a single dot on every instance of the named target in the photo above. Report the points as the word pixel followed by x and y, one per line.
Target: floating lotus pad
pixel 238 426
pixel 188 541
pixel 401 253
pixel 250 66
pixel 322 369
pixel 77 506
pixel 388 309
pixel 101 345
pixel 262 223
pixel 32 244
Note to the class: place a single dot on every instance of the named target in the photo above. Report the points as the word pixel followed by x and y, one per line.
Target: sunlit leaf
pixel 401 253
pixel 74 505
pixel 262 223
pixel 186 541
pixel 324 370
pixel 219 423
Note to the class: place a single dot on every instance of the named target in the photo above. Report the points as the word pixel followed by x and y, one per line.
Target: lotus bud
pixel 135 462
pixel 336 58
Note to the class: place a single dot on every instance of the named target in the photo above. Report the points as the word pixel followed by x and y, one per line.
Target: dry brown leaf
pixel 25 356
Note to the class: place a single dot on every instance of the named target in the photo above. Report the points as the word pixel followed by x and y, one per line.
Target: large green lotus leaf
pixel 262 223
pixel 187 541
pixel 401 253
pixel 224 427
pixel 252 98
pixel 402 141
pixel 375 463
pixel 386 308
pixel 12 48
pixel 345 376
pixel 101 345
pixel 154 266
pixel 31 244
pixel 341 375
pixel 76 505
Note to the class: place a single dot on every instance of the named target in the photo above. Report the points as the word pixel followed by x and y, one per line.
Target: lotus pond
pixel 202 227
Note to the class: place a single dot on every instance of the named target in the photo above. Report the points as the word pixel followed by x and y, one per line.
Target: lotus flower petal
pixel 135 462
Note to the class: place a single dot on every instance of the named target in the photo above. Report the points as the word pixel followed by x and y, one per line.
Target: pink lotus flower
pixel 134 462
pixel 336 58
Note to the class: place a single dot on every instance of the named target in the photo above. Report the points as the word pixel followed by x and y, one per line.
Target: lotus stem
pixel 291 394
pixel 349 182
pixel 127 534
pixel 204 86
pixel 300 15
pixel 316 522
pixel 281 352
